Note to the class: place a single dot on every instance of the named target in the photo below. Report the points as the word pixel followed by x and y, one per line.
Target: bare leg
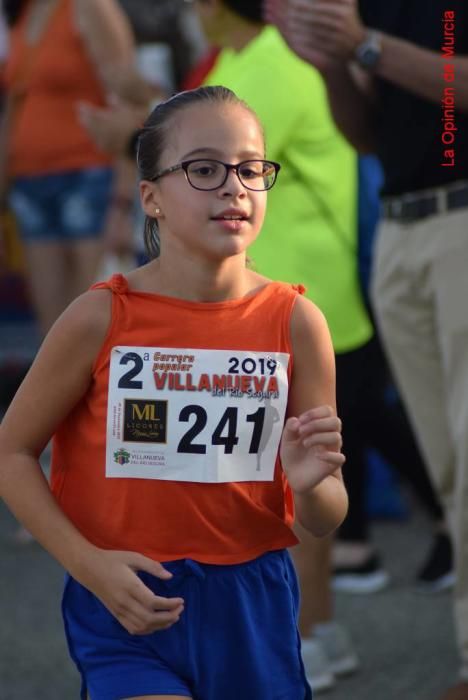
pixel 84 258
pixel 312 561
pixel 47 276
pixel 58 273
pixel 327 650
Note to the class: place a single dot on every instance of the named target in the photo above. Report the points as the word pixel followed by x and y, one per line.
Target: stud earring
pixel 157 211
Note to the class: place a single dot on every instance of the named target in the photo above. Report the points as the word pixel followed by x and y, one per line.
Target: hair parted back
pixel 154 135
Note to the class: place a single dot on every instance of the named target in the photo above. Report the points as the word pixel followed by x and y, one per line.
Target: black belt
pixel 419 205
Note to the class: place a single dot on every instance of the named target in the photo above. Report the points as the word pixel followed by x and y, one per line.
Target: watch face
pixel 368 54
pixel 368 57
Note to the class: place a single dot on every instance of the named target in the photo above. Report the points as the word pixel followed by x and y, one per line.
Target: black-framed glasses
pixel 210 174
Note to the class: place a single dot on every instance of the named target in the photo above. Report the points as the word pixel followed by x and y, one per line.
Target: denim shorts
pixel 237 638
pixel 64 207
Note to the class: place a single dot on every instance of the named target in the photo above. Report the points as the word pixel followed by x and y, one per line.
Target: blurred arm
pixel 108 37
pixel 106 32
pixel 350 93
pixel 421 71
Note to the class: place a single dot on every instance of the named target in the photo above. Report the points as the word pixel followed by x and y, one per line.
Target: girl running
pixel 192 408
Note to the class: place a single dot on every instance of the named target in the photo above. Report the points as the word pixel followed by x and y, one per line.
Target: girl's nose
pixel 233 187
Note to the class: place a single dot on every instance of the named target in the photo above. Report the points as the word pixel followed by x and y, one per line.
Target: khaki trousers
pixel 420 295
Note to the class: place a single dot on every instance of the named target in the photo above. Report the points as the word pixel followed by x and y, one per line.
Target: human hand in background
pixel 128 85
pixel 111 576
pixel 322 32
pixel 310 448
pixel 112 127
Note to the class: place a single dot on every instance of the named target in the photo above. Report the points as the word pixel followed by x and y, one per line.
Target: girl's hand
pixel 310 448
pixel 112 578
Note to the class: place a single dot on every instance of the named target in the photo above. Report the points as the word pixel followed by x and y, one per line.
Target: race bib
pixel 208 416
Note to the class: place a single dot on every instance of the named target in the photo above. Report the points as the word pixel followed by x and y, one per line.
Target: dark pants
pixel 370 419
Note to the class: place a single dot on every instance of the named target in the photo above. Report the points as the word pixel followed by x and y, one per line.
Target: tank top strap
pixel 117 284
pixel 299 288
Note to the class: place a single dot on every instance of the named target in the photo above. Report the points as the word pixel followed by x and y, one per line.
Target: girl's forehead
pixel 214 125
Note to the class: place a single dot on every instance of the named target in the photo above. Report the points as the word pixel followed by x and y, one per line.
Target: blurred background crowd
pixel 77 79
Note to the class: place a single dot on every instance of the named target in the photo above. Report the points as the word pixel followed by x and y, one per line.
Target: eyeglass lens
pixel 210 174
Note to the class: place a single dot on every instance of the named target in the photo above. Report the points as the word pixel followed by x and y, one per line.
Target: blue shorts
pixel 237 638
pixel 64 207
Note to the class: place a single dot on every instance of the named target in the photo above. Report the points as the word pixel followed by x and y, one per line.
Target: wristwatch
pixel 367 53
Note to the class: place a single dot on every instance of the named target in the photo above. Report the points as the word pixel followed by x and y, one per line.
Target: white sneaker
pixel 336 643
pixel 368 577
pixel 317 666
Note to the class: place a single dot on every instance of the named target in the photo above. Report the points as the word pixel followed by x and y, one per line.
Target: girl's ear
pixel 149 199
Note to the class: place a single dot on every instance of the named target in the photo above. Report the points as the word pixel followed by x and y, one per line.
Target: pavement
pixel 405 640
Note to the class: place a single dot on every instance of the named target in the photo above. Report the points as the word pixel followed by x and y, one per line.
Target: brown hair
pixel 152 139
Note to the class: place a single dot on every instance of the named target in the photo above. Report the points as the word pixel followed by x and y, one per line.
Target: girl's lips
pixel 232 213
pixel 231 224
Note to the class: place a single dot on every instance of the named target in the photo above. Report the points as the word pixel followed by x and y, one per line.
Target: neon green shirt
pixel 310 231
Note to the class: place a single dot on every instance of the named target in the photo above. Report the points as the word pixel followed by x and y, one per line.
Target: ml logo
pixel 145 420
pixel 147 412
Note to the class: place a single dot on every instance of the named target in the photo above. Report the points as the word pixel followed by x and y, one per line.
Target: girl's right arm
pixel 58 378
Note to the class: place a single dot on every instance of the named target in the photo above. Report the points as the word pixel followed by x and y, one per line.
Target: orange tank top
pixel 46 136
pixel 173 451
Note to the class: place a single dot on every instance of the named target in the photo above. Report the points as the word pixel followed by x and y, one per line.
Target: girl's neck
pixel 195 281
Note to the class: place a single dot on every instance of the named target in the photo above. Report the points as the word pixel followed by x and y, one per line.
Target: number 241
pixel 227 425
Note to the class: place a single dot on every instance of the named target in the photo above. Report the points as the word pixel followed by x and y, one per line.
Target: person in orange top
pixel 193 407
pixel 59 182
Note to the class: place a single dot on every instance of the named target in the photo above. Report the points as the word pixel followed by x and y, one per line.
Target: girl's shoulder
pixel 62 370
pixel 84 324
pixel 309 327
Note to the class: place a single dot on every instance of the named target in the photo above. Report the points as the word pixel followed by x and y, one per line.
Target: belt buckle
pixel 397 209
pixel 405 206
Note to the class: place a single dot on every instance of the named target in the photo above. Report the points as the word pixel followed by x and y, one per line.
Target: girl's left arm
pixel 311 442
